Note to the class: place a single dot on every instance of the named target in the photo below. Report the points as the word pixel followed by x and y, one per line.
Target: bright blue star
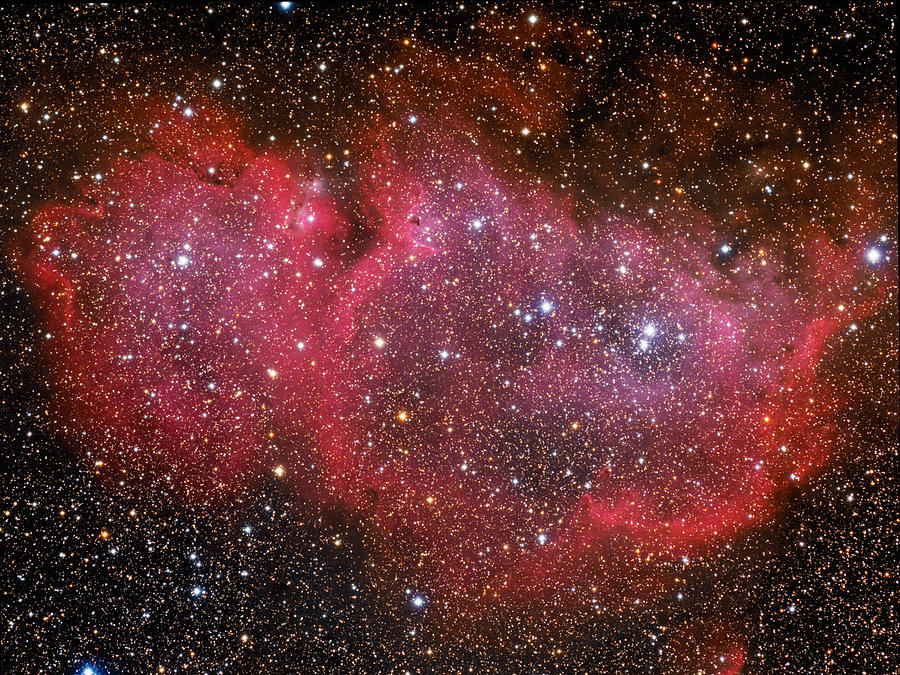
pixel 874 255
pixel 89 669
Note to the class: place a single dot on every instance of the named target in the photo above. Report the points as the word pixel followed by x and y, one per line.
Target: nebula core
pixel 524 386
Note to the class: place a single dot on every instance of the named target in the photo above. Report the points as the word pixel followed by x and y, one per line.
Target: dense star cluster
pixel 482 338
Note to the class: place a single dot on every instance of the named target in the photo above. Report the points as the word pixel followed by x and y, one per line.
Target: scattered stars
pixel 636 272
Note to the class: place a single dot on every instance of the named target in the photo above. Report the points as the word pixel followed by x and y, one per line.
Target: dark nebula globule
pixel 477 339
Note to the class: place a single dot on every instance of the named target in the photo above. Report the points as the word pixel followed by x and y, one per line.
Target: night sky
pixel 482 338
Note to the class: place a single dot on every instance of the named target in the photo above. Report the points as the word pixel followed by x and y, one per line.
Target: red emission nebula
pixel 526 397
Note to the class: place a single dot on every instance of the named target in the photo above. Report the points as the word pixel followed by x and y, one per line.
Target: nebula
pixel 181 295
pixel 527 397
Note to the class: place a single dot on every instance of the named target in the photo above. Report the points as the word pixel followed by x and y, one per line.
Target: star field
pixel 477 338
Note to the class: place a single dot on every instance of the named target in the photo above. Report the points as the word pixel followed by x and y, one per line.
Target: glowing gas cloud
pixel 526 395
